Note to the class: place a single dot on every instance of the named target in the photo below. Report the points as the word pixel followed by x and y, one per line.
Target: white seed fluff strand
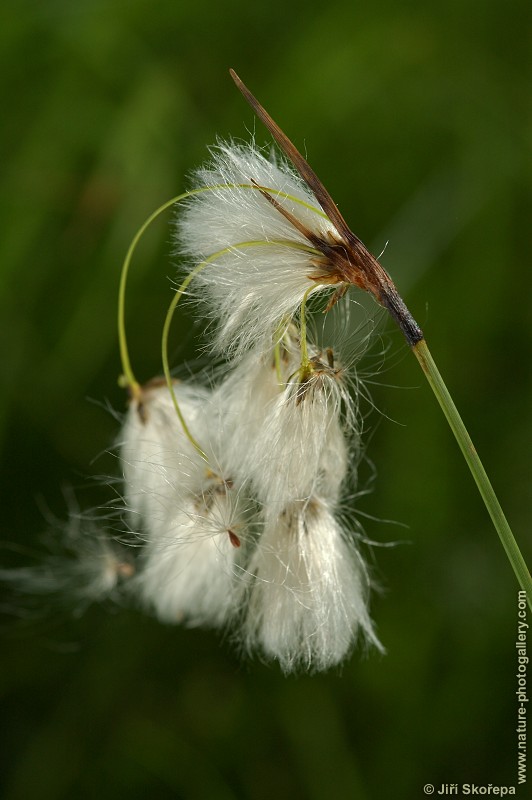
pixel 249 291
pixel 191 517
pixel 308 595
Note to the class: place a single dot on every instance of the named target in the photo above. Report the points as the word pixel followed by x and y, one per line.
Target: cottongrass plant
pixel 243 532
pixel 186 513
pixel 233 492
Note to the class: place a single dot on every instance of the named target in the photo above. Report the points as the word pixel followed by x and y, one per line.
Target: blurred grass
pixel 415 117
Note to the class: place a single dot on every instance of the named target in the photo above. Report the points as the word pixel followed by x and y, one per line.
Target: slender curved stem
pixel 422 353
pixel 182 289
pixel 166 367
pixel 305 362
pixel 128 377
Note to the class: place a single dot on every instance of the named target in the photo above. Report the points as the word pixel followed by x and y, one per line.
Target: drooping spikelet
pixel 233 500
pixel 267 264
pixel 308 597
pixel 190 518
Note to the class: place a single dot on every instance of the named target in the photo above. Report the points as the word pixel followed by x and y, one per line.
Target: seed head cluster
pixel 247 535
pixel 234 503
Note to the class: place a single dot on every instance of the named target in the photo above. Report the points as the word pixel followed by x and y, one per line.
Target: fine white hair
pixel 308 599
pixel 231 492
pixel 249 290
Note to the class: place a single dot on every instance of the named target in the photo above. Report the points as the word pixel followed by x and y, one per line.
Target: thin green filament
pixel 127 379
pixel 164 354
pixel 304 367
pixel 182 289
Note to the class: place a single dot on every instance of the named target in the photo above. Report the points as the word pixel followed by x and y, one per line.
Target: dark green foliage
pixel 413 115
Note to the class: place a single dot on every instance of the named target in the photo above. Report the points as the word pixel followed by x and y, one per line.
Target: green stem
pixel 182 289
pixel 128 377
pixel 304 367
pixel 166 367
pixel 474 463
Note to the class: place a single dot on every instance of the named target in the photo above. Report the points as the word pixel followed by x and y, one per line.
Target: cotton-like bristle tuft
pixel 190 572
pixel 231 492
pixel 301 448
pixel 308 597
pixel 85 565
pixel 159 462
pixel 189 511
pixel 249 290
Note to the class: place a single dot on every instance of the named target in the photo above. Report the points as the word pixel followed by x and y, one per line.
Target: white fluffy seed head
pixel 239 403
pixel 301 447
pixel 242 400
pixel 189 572
pixel 85 565
pixel 160 464
pixel 288 438
pixel 249 290
pixel 308 596
pixel 276 432
pixel 191 514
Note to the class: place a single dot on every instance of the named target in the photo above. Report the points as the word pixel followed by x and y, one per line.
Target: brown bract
pixel 344 259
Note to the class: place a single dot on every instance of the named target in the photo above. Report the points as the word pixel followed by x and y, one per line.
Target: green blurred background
pixel 414 114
